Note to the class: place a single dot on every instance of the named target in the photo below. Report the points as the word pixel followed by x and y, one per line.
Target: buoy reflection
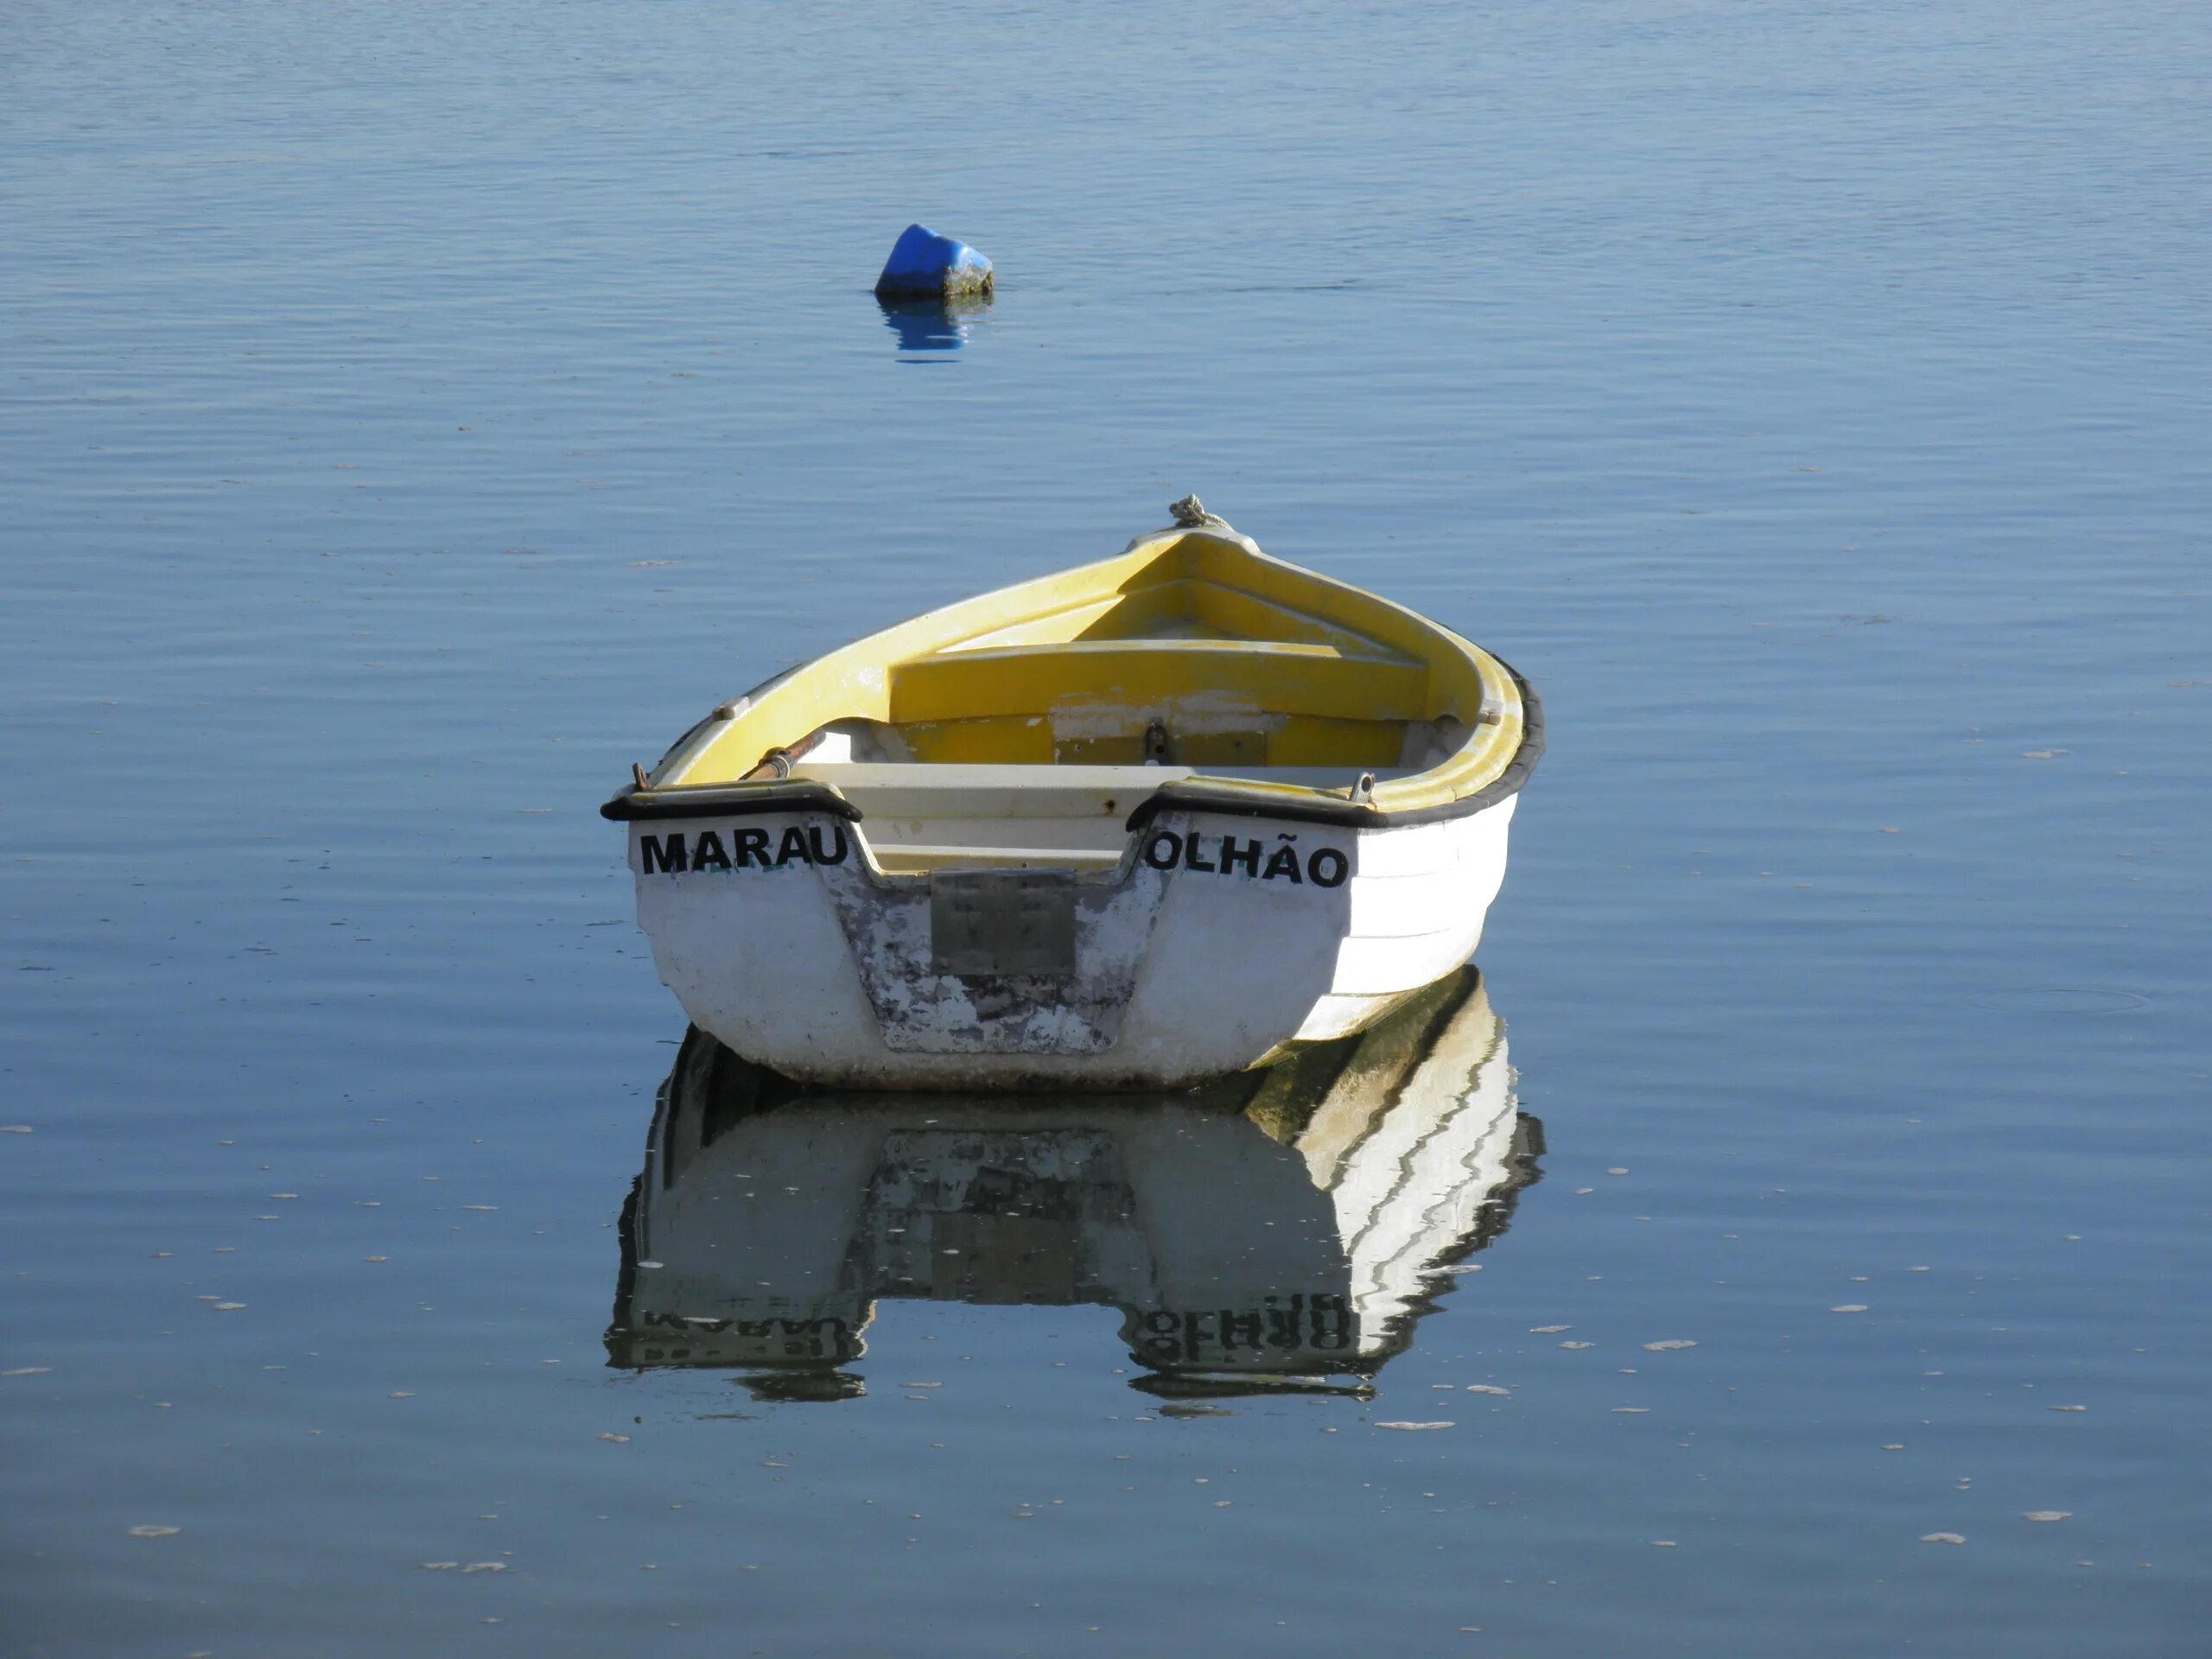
pixel 932 325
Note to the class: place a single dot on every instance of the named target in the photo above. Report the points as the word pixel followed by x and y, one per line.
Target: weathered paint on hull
pixel 1218 941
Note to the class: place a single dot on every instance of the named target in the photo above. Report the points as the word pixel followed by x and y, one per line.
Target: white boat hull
pixel 1218 941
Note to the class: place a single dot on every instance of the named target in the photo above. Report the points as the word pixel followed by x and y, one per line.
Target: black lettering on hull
pixel 1324 867
pixel 748 847
pixel 663 853
pixel 745 846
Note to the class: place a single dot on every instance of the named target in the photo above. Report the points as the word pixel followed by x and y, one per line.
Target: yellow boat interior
pixel 1021 727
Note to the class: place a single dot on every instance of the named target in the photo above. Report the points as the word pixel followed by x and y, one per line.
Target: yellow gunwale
pixel 1311 624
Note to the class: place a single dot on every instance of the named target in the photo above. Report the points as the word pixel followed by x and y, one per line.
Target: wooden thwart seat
pixel 916 789
pixel 1277 677
pixel 917 816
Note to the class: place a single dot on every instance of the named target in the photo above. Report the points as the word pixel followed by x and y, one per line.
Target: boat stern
pixel 1214 942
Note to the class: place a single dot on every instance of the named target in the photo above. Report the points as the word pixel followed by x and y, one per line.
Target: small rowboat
pixel 1138 824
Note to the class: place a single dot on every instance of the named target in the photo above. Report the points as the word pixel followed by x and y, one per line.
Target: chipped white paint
pixel 821 967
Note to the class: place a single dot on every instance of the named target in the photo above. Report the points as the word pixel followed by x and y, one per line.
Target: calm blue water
pixel 410 415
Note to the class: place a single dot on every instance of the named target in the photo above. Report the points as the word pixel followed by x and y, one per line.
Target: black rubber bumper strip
pixel 727 800
pixel 1200 796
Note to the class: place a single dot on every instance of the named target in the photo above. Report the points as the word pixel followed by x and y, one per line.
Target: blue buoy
pixel 924 264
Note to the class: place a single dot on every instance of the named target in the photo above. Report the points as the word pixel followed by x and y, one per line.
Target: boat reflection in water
pixel 1280 1230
